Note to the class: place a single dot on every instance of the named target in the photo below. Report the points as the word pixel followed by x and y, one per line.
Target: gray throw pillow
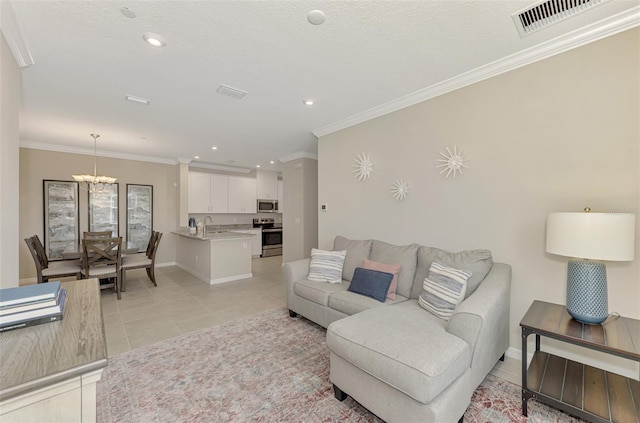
pixel 326 266
pixel 443 290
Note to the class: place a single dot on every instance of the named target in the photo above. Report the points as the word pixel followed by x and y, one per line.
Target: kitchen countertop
pixel 214 235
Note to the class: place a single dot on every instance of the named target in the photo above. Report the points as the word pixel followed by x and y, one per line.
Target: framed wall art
pixel 61 217
pixel 103 210
pixel 139 215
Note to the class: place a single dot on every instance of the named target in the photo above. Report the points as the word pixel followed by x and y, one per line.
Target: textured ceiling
pixel 88 56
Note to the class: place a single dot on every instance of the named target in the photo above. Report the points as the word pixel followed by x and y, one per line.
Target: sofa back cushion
pixel 478 262
pixel 405 256
pixel 357 251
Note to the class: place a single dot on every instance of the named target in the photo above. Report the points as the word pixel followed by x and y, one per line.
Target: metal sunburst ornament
pixel 363 167
pixel 452 162
pixel 400 189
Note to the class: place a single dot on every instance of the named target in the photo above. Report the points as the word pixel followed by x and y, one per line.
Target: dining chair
pixel 102 258
pixel 45 269
pixel 145 261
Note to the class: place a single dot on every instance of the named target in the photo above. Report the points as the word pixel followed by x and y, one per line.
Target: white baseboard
pixel 230 278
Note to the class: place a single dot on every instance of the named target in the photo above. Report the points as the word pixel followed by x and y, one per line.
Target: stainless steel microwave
pixel 267 206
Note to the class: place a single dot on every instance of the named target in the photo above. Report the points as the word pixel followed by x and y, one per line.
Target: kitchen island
pixel 215 257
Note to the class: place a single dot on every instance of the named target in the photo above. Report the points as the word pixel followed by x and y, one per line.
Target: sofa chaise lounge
pixel 397 359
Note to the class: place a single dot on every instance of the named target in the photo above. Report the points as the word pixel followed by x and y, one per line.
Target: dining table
pixel 75 252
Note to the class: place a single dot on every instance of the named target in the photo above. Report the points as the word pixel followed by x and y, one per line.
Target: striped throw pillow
pixel 443 289
pixel 326 266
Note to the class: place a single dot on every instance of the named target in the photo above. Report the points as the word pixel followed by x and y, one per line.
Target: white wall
pixel 557 135
pixel 10 83
pixel 300 217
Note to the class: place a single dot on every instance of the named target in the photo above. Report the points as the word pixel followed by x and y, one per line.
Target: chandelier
pixel 94 183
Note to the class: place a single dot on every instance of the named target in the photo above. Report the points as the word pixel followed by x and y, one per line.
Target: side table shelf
pixel 584 391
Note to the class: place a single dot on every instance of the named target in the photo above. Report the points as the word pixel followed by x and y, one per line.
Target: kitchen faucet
pixel 204 229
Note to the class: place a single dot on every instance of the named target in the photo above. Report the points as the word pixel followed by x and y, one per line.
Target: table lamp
pixel 589 238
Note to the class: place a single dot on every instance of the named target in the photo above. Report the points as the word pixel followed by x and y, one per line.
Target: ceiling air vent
pixel 549 12
pixel 230 91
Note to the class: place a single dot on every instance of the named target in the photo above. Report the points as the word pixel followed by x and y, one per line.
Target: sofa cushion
pixel 413 353
pixel 317 292
pixel 350 303
pixel 394 269
pixel 326 265
pixel 443 290
pixel 371 283
pixel 404 255
pixel 479 262
pixel 357 250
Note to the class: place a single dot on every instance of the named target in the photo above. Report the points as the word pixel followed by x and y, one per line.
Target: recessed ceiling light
pixel 214 148
pixel 272 162
pixel 138 100
pixel 316 17
pixel 308 102
pixel 154 39
pixel 257 165
pixel 196 157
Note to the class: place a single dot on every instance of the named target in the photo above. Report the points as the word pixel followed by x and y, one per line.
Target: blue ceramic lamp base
pixel 587 298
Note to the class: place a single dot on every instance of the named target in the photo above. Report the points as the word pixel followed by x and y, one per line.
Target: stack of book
pixel 31 305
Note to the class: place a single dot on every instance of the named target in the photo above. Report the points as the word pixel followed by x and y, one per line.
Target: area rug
pixel 264 368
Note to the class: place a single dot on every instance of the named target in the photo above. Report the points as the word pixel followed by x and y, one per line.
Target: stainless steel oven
pixel 271 242
pixel 271 237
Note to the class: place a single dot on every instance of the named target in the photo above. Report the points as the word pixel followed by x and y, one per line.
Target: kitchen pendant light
pixel 94 183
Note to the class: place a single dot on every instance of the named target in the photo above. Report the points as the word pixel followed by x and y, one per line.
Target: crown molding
pixel 90 152
pixel 590 33
pixel 13 35
pixel 298 155
pixel 222 168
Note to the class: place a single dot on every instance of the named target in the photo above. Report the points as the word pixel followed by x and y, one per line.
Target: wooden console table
pixel 49 372
pixel 584 391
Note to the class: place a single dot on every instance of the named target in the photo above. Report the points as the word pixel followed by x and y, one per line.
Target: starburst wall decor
pixel 452 162
pixel 363 167
pixel 400 189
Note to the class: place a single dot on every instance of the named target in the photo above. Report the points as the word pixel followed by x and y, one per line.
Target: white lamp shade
pixel 590 235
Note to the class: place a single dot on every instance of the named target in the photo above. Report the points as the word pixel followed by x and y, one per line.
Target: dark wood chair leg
pixel 152 276
pixel 123 278
pixel 292 313
pixel 116 285
pixel 337 392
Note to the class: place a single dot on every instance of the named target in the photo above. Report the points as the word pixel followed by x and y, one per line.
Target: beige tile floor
pixel 181 303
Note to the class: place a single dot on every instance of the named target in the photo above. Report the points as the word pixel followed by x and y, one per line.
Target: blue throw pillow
pixel 372 283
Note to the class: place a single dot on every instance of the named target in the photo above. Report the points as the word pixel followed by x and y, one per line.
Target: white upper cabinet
pixel 219 194
pixel 199 192
pixel 242 195
pixel 267 184
pixel 208 193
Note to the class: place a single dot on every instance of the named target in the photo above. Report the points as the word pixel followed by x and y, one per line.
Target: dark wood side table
pixel 583 391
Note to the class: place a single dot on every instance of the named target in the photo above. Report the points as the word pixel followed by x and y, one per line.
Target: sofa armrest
pixel 482 320
pixel 294 271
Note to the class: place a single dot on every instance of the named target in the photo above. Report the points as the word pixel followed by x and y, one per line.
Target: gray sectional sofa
pixel 395 358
